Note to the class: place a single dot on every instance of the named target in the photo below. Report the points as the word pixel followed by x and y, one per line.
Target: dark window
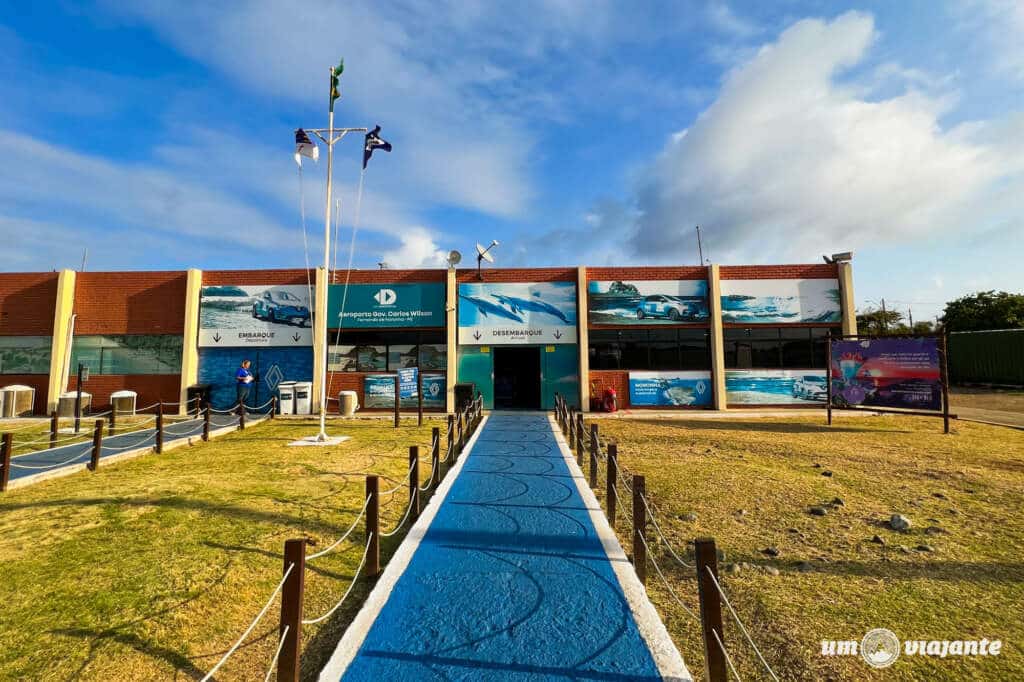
pixel 649 349
pixel 796 347
pixel 775 347
pixel 386 351
pixel 663 345
pixel 819 346
pixel 128 354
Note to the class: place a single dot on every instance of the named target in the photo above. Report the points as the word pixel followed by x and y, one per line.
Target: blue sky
pixel 159 135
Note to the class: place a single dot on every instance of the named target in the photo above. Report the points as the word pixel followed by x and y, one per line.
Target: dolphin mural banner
pixel 493 314
pixel 670 389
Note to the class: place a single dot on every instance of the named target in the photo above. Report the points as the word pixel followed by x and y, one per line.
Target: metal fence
pixel 987 357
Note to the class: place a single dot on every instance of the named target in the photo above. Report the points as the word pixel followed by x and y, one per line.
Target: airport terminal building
pixel 667 337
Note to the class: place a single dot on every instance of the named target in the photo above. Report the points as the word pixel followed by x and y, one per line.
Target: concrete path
pixel 996 417
pixel 75 455
pixel 512 573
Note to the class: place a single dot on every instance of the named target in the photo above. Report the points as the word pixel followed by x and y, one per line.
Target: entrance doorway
pixel 517 378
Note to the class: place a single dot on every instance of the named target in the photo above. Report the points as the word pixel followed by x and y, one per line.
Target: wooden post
pixel 460 441
pixel 398 406
pixel 206 422
pixel 435 456
pixel 160 428
pixel 580 444
pixel 373 526
pixel 113 419
pixel 291 610
pixel 419 398
pixel 710 608
pixel 5 460
pixel 571 429
pixel 78 398
pixel 54 424
pixel 944 378
pixel 828 379
pixel 610 491
pixel 414 480
pixel 593 456
pixel 241 417
pixel 451 436
pixel 97 445
pixel 273 406
pixel 639 529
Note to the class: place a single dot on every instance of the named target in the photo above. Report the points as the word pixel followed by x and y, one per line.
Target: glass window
pixel 380 351
pixel 604 351
pixel 796 347
pixel 819 346
pixel 633 349
pixel 663 345
pixel 25 354
pixel 128 354
pixel 753 348
pixel 694 349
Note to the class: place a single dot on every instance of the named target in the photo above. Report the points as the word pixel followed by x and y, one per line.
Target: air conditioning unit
pixel 19 400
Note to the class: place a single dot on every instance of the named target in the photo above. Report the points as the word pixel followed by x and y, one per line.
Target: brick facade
pixel 150 387
pixel 129 303
pixel 799 271
pixel 27 301
pixel 645 273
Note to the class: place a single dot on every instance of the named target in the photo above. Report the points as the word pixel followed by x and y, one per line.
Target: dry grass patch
pixel 751 483
pixel 151 568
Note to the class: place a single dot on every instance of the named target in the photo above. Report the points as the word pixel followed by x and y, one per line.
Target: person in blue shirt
pixel 243 379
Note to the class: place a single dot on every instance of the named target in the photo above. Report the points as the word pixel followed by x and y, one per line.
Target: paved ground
pixel 510 581
pixel 1014 419
pixel 43 461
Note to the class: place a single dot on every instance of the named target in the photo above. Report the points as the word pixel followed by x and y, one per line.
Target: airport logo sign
pixel 372 306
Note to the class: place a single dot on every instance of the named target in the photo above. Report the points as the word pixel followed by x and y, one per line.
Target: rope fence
pixel 623 485
pixel 286 658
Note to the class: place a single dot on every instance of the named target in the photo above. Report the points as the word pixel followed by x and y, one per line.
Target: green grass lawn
pixel 151 568
pixel 751 482
pixel 32 437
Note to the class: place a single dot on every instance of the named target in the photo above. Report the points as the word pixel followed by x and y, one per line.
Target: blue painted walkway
pixel 511 581
pixel 23 466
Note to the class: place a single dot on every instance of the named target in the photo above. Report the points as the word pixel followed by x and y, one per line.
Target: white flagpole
pixel 322 436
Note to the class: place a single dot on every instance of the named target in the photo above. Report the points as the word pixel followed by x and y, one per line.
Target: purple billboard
pixel 898 372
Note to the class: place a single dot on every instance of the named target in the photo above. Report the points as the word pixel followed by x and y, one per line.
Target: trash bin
pixel 201 391
pixel 66 404
pixel 348 403
pixel 123 402
pixel 303 397
pixel 286 397
pixel 464 395
pixel 19 401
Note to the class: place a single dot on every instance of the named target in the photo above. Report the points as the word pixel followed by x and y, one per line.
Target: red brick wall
pixel 644 273
pixel 37 381
pixel 520 275
pixel 244 277
pixel 353 381
pixel 150 387
pixel 130 303
pixel 799 271
pixel 601 379
pixel 27 302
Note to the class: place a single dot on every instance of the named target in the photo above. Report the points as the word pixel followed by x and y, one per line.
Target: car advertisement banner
pixel 775 387
pixel 379 392
pixel 647 302
pixel 377 306
pixel 897 372
pixel 514 313
pixel 774 301
pixel 670 389
pixel 232 316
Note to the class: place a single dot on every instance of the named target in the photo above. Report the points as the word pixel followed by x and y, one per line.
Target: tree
pixel 875 322
pixel 985 310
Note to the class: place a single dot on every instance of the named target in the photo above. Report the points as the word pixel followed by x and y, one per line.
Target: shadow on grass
pixel 755 425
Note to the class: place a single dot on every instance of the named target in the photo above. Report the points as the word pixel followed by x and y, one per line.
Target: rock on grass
pixel 899 522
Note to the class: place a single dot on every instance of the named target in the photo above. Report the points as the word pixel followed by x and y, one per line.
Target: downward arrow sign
pixel 558 334
pixel 296 337
pixel 217 337
pixel 476 335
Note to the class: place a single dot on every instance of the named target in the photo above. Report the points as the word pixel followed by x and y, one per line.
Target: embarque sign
pixel 232 316
pixel 517 313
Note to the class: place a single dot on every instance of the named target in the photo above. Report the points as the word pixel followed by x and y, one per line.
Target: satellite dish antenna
pixel 454 258
pixel 482 255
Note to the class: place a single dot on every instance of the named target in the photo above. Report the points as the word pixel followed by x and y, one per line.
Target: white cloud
pixel 1001 25
pixel 790 162
pixel 416 250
